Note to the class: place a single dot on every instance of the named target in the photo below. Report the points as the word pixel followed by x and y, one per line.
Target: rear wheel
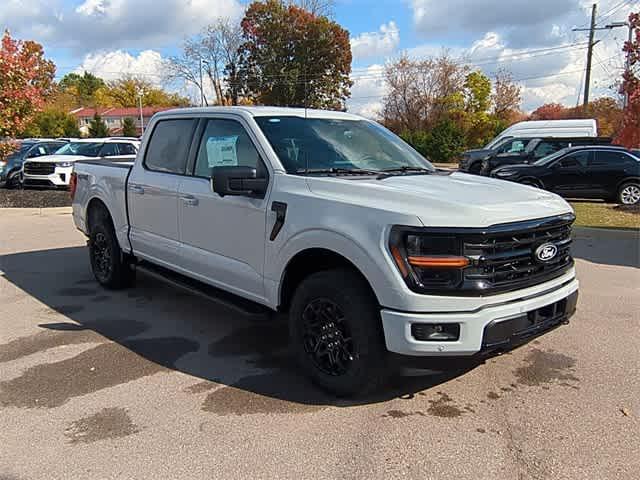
pixel 629 193
pixel 110 267
pixel 336 332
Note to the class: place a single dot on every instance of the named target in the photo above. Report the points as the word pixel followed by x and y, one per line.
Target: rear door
pixel 568 177
pixel 607 168
pixel 152 191
pixel 223 238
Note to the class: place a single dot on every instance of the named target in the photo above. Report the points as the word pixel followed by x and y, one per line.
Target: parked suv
pixel 520 150
pixel 328 217
pixel 11 167
pixel 55 170
pixel 606 172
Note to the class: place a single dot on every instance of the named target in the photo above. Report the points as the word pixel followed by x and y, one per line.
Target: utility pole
pixel 140 94
pixel 201 86
pixel 587 79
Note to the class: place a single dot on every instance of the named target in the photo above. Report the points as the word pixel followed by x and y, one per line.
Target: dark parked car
pixel 520 150
pixel 607 172
pixel 30 148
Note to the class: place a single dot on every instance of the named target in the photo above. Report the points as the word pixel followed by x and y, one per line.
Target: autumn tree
pixel 506 98
pixel 291 57
pixel 125 92
pixel 549 111
pixel 629 134
pixel 26 77
pixel 129 127
pixel 422 93
pixel 97 127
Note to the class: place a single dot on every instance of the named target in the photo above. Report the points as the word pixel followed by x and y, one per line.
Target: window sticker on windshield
pixel 222 151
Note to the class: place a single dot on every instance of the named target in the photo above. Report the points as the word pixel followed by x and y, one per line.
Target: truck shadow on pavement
pixel 607 246
pixel 154 327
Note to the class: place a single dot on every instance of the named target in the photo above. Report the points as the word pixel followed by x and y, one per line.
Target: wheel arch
pixel 309 261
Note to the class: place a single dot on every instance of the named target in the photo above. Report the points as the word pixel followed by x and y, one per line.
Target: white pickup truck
pixel 374 254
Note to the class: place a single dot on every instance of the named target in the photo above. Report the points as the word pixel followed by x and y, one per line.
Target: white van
pixel 548 128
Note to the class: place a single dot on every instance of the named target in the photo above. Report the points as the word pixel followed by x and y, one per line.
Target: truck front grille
pixel 504 257
pixel 39 168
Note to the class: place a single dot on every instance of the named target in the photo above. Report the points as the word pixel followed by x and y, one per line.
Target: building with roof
pixel 114 117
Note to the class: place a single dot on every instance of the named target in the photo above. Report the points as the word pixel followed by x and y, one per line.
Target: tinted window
pixel 169 146
pixel 109 150
pixel 38 151
pixel 609 158
pixel 52 147
pixel 88 149
pixel 225 143
pixel 126 149
pixel 577 159
pixel 545 148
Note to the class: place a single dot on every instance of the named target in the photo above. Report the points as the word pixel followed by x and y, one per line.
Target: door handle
pixel 136 189
pixel 189 200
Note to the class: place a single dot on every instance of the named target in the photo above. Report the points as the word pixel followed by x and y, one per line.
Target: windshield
pixel 304 145
pixel 550 158
pixel 86 149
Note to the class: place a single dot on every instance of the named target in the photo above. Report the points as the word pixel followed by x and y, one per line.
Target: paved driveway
pixel 155 383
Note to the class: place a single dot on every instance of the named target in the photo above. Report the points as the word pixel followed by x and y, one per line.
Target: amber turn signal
pixel 438 262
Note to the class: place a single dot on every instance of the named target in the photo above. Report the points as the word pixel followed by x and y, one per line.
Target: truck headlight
pixel 505 173
pixel 64 164
pixel 428 261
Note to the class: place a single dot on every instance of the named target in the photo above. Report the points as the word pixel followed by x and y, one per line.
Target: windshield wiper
pixel 338 171
pixel 389 172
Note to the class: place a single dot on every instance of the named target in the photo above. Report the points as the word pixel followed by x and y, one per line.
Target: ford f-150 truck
pixel 372 252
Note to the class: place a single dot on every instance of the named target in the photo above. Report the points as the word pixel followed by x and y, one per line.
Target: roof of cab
pixel 262 112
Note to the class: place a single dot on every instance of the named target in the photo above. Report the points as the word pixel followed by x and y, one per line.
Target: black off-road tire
pixel 110 266
pixel 328 294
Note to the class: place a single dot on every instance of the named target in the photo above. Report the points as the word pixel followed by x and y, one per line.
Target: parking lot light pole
pixel 140 94
pixel 627 65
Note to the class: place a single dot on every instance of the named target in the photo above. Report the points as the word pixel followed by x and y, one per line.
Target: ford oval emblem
pixel 546 252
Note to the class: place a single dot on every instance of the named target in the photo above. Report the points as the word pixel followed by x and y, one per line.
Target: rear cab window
pixel 168 146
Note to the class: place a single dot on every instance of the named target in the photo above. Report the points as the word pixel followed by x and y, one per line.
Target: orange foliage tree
pixel 629 135
pixel 26 78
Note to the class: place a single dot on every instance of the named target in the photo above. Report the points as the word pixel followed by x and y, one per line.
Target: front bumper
pixel 490 328
pixel 59 178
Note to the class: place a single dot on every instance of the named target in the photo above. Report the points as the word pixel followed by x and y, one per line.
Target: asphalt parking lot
pixel 155 383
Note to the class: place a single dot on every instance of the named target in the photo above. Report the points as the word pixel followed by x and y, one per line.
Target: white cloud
pixel 116 64
pixel 92 25
pixel 376 44
pixel 367 92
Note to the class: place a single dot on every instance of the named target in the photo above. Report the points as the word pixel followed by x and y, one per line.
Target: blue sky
pixel 531 39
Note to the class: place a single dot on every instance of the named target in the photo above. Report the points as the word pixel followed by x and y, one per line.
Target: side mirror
pixel 238 180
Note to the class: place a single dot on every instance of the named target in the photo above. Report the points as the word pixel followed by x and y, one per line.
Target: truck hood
pixel 478 153
pixel 58 158
pixel 444 200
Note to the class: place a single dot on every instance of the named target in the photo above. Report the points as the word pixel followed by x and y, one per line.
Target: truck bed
pixel 105 180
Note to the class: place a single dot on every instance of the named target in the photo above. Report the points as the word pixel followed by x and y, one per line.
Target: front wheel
pixel 629 193
pixel 336 332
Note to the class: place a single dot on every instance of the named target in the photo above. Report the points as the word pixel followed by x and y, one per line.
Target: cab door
pixel 152 192
pixel 223 238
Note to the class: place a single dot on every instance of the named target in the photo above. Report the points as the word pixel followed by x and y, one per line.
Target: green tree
pixel 53 122
pixel 292 57
pixel 97 127
pixel 82 88
pixel 129 127
pixel 443 143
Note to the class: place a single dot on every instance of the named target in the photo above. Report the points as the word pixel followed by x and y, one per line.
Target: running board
pixel 227 300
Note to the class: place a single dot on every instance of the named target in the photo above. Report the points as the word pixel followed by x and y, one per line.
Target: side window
pixel 225 143
pixel 169 146
pixel 545 148
pixel 109 150
pixel 126 149
pixel 609 158
pixel 577 159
